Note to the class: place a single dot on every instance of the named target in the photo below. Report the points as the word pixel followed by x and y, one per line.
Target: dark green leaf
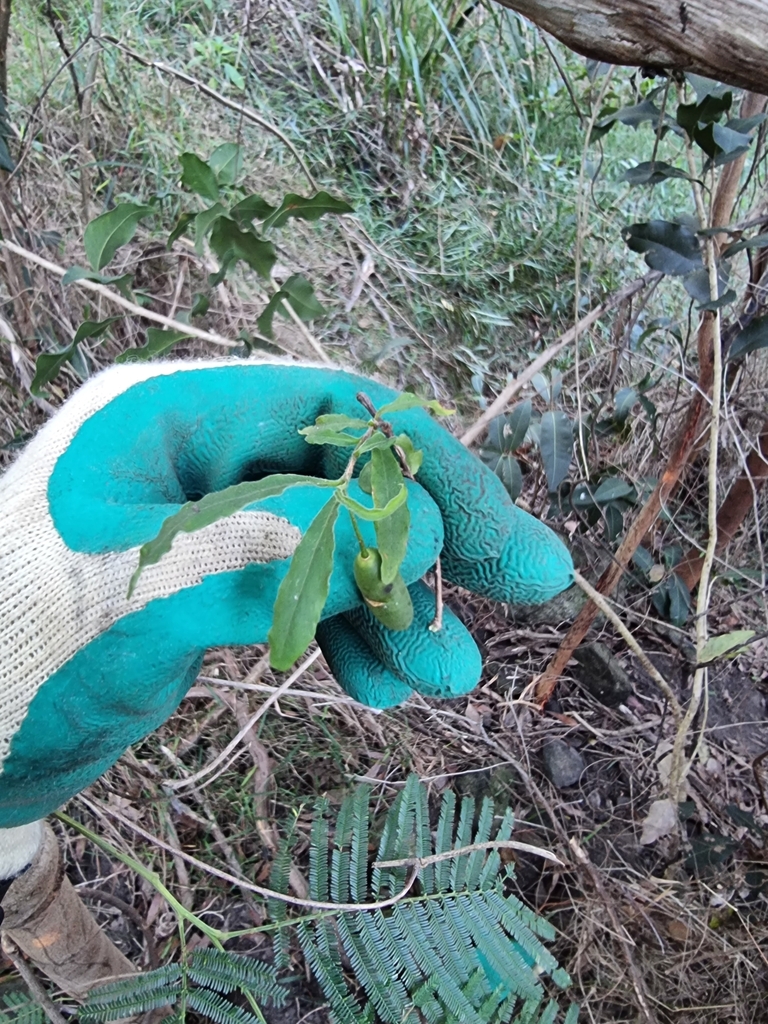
pixel 94 328
pixel 158 341
pixel 643 559
pixel 753 337
pixel 556 442
pixel 704 87
pixel 104 235
pixel 756 242
pixel 407 400
pixel 725 300
pixel 623 404
pixel 122 283
pixel 509 472
pixel 697 283
pixel 180 228
pixel 304 590
pixel 204 222
pixel 198 177
pixel 671 248
pixel 614 522
pixel 612 488
pixel 47 367
pixel 652 172
pixel 197 514
pixel 300 294
pixel 226 162
pixel 391 532
pixel 310 208
pixel 230 243
pixel 251 208
pixel 200 305
pixel 707 111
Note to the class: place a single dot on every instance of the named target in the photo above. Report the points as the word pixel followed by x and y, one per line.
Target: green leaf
pixel 378 440
pixel 299 292
pixel 508 470
pixel 198 177
pixel 556 442
pixel 407 400
pixel 753 337
pixel 230 243
pixel 200 305
pixel 726 644
pixel 614 521
pixel 194 515
pixel 697 283
pixel 180 228
pixel 756 242
pixel 251 208
pixel 104 235
pixel 392 532
pixel 158 341
pixel 204 222
pixel 623 403
pixel 374 515
pixel 507 433
pixel 311 208
pixel 652 172
pixel 338 421
pixel 94 328
pixel 304 590
pixel 612 488
pixel 413 456
pixel 671 248
pixel 226 162
pixel 322 435
pixel 123 282
pixel 48 364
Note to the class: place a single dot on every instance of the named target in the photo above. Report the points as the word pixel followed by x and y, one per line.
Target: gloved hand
pixel 85 672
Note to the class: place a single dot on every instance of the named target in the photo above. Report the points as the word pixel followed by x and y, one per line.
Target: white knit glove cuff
pixel 18 847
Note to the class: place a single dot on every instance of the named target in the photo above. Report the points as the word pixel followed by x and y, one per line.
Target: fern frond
pixel 318 854
pixel 492 865
pixel 423 837
pixel 382 986
pixel 476 860
pixel 279 874
pixel 217 1008
pixel 134 995
pixel 463 838
pixel 344 1008
pixel 340 858
pixel 443 837
pixel 20 1009
pixel 358 880
pixel 225 972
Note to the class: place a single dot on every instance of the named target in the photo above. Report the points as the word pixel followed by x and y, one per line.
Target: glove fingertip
pixel 356 668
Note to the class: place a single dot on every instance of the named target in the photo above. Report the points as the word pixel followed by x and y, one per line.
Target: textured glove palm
pixel 84 671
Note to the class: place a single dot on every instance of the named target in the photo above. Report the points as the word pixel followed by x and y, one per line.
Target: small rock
pixel 600 672
pixel 562 764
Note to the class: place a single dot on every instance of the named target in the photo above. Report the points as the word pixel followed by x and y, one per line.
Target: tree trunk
pixel 722 39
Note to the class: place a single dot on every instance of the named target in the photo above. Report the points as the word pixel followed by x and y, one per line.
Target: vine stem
pixel 679 768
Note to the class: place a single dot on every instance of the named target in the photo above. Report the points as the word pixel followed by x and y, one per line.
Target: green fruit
pixel 390 603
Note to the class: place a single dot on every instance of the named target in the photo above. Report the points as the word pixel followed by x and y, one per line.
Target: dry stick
pixel 206 90
pixel 684 446
pixel 678 768
pixel 460 851
pixel 634 646
pixel 499 404
pixel 132 307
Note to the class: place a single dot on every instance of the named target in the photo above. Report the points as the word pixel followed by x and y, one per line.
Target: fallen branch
pixel 499 404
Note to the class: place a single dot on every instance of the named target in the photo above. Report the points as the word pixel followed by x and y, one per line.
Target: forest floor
pixel 673 930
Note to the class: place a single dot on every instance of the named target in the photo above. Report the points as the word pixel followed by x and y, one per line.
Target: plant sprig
pixel 303 592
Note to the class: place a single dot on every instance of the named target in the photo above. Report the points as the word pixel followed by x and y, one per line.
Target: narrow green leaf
pixel 726 644
pixel 307 208
pixel 407 400
pixel 753 337
pixel 158 342
pixel 226 162
pixel 180 228
pixel 392 531
pixel 123 282
pixel 320 435
pixel 556 443
pixel 48 364
pixel 756 242
pixel 304 590
pixel 194 515
pixel 374 515
pixel 198 177
pixel 104 235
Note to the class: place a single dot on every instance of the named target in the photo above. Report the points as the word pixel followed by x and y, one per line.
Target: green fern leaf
pixel 463 838
pixel 358 882
pixel 382 986
pixel 492 865
pixel 318 854
pixel 343 1006
pixel 443 837
pixel 134 995
pixel 225 972
pixel 217 1008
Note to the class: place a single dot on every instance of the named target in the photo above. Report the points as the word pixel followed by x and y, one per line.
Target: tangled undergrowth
pixel 473 190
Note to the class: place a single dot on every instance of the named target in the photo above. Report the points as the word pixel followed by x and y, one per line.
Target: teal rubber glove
pixel 85 672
